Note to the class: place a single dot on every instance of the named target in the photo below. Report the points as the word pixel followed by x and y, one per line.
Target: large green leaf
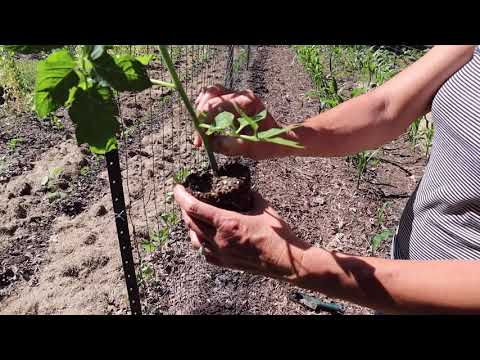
pixel 123 73
pixel 94 113
pixel 135 72
pixel 55 77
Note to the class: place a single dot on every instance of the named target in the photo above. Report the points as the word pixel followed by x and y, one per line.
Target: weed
pixel 157 239
pixel 84 170
pixel 170 218
pixel 181 175
pixel 381 213
pixel 429 132
pixel 14 143
pixel 361 162
pixel 413 132
pixel 380 237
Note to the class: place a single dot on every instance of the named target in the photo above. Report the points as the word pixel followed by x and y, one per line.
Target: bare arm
pixel 373 119
pixel 394 286
pixel 261 242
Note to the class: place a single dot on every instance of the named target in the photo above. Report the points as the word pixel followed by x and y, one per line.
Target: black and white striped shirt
pixel 442 217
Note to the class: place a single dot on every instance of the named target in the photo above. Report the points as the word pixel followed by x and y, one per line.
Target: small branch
pixel 188 105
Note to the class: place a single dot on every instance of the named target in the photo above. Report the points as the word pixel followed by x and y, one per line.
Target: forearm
pixel 355 125
pixel 393 286
pixel 375 118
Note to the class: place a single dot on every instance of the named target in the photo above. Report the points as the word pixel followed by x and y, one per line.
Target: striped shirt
pixel 442 218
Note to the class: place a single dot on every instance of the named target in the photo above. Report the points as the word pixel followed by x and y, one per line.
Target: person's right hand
pixel 217 99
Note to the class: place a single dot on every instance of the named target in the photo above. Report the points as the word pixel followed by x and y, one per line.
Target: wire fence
pixel 156 146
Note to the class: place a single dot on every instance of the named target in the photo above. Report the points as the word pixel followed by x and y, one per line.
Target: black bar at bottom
pixel 118 199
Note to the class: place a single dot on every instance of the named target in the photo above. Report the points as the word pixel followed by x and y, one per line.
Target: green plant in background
pixel 361 162
pixel 413 132
pixel 385 233
pixel 147 273
pixel 240 60
pixel 429 132
pixel 381 213
pixel 380 237
pixel 17 77
pixel 181 175
pixel 12 144
pixel 84 170
pixel 157 239
pixel 170 219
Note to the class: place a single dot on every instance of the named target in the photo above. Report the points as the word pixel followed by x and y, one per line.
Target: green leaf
pixel 135 72
pixel 224 120
pixel 123 73
pixel 56 76
pixel 260 116
pixel 94 113
pixel 146 59
pixel 275 132
pixel 380 237
pixel 271 133
pixel 246 118
pixel 285 142
pixel 243 123
pixel 149 246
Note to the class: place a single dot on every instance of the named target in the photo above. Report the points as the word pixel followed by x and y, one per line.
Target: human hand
pixel 217 99
pixel 259 242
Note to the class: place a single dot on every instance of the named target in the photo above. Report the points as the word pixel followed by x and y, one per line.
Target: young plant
pixel 13 143
pixel 226 123
pixel 361 161
pixel 181 175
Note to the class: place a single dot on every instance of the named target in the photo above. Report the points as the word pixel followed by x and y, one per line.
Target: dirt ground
pixel 58 244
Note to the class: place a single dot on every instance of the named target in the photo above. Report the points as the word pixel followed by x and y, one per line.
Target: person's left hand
pixel 259 242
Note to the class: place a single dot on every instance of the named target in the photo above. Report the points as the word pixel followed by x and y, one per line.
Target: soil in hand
pixel 230 190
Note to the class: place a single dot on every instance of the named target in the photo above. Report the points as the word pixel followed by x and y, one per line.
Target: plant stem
pixel 188 105
pixel 162 83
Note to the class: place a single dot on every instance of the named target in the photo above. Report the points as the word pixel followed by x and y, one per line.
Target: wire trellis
pixel 156 143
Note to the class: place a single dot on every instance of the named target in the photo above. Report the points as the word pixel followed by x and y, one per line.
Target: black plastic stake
pixel 229 70
pixel 118 199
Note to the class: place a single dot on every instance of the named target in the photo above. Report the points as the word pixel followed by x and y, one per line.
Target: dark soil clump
pixel 230 190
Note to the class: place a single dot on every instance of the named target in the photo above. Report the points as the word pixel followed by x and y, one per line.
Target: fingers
pixel 194 239
pixel 208 93
pixel 204 231
pixel 208 214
